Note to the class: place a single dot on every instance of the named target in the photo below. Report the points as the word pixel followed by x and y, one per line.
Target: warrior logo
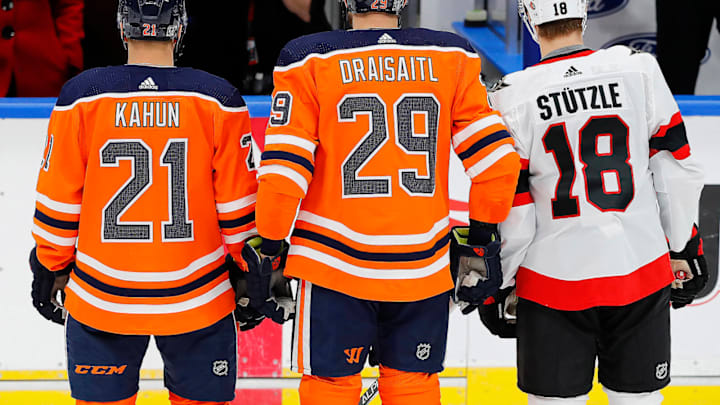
pixel 423 351
pixel 661 371
pixel 220 368
pixel 601 8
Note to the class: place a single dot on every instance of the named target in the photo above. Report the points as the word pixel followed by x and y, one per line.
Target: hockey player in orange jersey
pixel 147 173
pixel 359 139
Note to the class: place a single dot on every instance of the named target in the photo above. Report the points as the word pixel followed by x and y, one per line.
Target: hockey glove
pixel 246 316
pixel 46 285
pixel 268 289
pixel 476 269
pixel 499 313
pixel 691 272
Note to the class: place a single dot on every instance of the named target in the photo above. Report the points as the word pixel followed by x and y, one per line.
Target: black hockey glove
pixel 46 285
pixel 268 289
pixel 691 272
pixel 246 316
pixel 475 269
pixel 498 314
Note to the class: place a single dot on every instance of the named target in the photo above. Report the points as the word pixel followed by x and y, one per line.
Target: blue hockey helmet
pixel 152 20
pixel 370 6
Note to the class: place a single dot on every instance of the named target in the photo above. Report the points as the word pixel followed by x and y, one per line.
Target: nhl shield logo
pixel 661 371
pixel 220 368
pixel 423 351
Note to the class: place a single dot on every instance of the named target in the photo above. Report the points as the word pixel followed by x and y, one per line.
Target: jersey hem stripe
pixel 368 273
pixel 375 240
pixel 149 293
pixel 372 256
pixel 137 276
pixel 578 295
pixel 149 309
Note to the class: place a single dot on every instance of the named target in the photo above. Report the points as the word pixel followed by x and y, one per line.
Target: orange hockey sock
pixel 177 400
pixel 401 387
pixel 330 390
pixel 129 401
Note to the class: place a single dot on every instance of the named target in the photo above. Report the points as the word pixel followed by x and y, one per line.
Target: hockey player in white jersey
pixel 608 195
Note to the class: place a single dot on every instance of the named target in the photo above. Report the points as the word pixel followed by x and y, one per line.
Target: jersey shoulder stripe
pixel 324 43
pixel 134 78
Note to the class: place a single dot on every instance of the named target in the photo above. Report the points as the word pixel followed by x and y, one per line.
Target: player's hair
pixel 560 28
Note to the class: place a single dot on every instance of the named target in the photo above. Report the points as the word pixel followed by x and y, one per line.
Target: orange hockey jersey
pixel 361 129
pixel 146 172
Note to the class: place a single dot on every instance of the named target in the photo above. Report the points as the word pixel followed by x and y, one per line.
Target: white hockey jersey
pixel 608 179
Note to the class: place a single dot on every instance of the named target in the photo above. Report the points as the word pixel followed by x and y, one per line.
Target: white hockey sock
pixel 536 400
pixel 626 398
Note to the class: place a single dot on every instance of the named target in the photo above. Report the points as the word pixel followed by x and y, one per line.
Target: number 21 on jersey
pixel 607 173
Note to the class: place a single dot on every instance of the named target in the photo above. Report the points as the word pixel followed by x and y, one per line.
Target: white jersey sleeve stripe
pixel 58 206
pixel 490 160
pixel 291 174
pixel 224 208
pixel 52 238
pixel 476 127
pixel 239 237
pixel 291 140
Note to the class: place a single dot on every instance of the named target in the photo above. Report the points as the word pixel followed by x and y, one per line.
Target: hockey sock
pixel 627 398
pixel 129 401
pixel 178 400
pixel 330 390
pixel 537 400
pixel 401 387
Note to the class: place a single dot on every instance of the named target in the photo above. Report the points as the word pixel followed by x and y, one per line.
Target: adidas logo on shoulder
pixel 387 39
pixel 148 84
pixel 572 72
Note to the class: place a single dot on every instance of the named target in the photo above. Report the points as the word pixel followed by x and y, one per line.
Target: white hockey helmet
pixel 538 12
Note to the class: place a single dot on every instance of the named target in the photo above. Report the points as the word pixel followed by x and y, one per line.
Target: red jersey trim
pixel 604 291
pixel 573 55
pixel 675 120
pixel 522 199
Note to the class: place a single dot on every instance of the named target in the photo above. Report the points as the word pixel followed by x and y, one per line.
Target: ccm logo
pixel 100 370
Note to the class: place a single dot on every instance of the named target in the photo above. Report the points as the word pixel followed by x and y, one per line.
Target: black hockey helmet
pixel 376 6
pixel 152 20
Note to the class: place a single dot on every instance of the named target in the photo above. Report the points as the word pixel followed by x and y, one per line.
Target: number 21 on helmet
pixel 152 20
